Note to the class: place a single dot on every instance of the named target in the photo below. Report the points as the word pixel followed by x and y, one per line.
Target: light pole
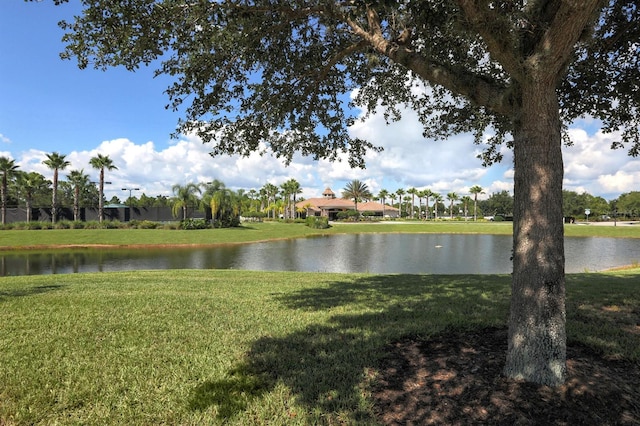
pixel 130 190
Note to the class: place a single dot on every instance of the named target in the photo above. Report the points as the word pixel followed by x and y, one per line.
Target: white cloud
pixel 408 160
pixel 619 182
pixel 592 166
pixel 499 186
pixel 188 160
pixel 4 139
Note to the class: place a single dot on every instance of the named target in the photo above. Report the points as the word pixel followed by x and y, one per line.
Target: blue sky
pixel 47 105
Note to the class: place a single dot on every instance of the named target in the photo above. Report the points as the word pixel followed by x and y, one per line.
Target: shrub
pixel 76 224
pixel 62 224
pixel 92 224
pixel 148 224
pixel 169 225
pixel 189 224
pixel 317 222
pixel 112 224
pixel 19 225
pixel 228 222
pixel 368 215
pixel 142 224
pixel 254 216
pixel 348 215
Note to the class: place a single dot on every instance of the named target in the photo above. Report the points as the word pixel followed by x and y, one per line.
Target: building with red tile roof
pixel 329 206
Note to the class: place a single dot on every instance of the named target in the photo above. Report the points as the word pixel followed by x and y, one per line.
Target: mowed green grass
pixel 244 348
pixel 236 347
pixel 251 232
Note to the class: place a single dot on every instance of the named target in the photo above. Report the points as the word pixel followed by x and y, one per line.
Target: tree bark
pixel 3 197
pixel 76 203
pixel 54 196
pixel 537 337
pixel 101 195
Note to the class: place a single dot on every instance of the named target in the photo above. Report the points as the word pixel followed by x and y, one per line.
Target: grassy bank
pixel 235 347
pixel 24 239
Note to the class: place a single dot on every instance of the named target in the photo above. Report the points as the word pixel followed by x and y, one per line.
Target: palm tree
pixel 452 197
pixel 55 162
pixel 225 208
pixel 383 194
pixel 400 192
pixel 465 201
pixel 101 162
pixel 421 194
pixel 264 200
pixel 7 167
pixel 406 202
pixel 184 195
pixel 253 195
pixel 277 207
pixel 427 194
pixel 270 192
pixel 79 180
pixel 437 198
pixel 210 188
pixel 29 184
pixel 303 209
pixel 475 190
pixel 356 191
pixel 284 192
pixel 295 189
pixel 225 204
pixel 290 189
pixel 393 196
pixel 413 192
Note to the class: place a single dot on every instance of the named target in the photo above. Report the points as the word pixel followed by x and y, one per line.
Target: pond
pixel 374 253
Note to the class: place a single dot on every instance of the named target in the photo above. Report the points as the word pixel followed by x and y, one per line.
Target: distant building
pixel 329 206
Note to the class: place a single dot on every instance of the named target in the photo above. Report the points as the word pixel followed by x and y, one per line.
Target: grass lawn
pixel 235 347
pixel 239 347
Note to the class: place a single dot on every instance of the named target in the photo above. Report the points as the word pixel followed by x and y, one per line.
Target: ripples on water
pixel 375 253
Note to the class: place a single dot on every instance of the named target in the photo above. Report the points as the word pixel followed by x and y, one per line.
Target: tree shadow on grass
pixel 604 310
pixel 230 395
pixel 326 365
pixel 30 291
pixel 421 348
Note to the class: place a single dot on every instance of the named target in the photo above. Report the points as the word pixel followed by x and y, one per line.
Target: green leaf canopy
pixel 278 72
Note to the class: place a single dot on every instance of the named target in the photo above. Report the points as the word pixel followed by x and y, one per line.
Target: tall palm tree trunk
pixel 101 197
pixel 76 203
pixel 54 197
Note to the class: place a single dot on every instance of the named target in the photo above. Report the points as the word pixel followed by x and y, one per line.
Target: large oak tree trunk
pixel 537 338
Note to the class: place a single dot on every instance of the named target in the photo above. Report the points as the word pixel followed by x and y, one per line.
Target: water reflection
pixel 376 253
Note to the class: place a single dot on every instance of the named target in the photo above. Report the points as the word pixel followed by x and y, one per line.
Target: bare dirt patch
pixel 456 379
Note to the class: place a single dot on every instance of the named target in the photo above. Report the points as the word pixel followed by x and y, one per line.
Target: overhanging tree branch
pixel 564 29
pixel 480 91
pixel 496 31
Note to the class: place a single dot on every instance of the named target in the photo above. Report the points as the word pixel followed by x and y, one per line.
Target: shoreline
pixel 609 223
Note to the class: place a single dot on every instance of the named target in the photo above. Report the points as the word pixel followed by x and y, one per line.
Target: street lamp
pixel 130 190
